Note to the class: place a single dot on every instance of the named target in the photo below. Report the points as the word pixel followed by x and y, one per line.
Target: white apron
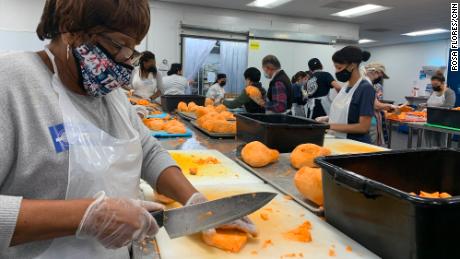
pixel 97 162
pixel 311 104
pixel 340 108
pixel 435 100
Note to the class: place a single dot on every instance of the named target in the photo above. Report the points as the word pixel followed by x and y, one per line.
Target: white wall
pixel 293 56
pixel 403 63
pixel 164 37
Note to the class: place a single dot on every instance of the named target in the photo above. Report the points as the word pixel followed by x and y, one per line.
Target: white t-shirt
pixel 145 88
pixel 216 92
pixel 175 85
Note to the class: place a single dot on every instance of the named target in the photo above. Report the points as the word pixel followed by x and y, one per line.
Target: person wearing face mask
pixel 444 97
pixel 376 73
pixel 217 91
pixel 298 82
pixel 318 88
pixel 279 92
pixel 253 103
pixel 175 83
pixel 353 108
pixel 74 149
pixel 146 82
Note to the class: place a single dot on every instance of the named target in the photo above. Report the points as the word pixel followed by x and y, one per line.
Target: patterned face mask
pixel 100 74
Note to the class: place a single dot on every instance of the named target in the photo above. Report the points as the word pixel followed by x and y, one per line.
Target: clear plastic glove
pixel 117 222
pixel 324 119
pixel 244 224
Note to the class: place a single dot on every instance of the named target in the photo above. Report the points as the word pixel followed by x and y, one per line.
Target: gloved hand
pixel 117 222
pixel 244 224
pixel 324 119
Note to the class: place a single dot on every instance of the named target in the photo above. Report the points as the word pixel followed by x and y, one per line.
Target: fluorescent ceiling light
pixel 425 32
pixel 361 10
pixel 268 3
pixel 364 41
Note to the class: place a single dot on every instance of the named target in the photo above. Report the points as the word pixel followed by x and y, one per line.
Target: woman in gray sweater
pixel 444 97
pixel 73 148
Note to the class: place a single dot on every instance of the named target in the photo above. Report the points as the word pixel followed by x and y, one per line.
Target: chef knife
pixel 196 218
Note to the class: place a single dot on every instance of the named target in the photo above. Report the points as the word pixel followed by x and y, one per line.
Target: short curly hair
pixel 131 17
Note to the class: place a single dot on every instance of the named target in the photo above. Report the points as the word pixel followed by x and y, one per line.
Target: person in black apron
pixel 318 88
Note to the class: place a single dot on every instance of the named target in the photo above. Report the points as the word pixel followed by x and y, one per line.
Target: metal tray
pixel 281 176
pixel 188 116
pixel 212 134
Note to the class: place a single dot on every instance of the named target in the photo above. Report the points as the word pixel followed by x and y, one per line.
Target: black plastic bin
pixel 367 197
pixel 281 132
pixel 443 117
pixel 169 102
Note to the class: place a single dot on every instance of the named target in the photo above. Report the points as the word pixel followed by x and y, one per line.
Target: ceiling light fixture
pixel 364 41
pixel 361 10
pixel 268 3
pixel 425 32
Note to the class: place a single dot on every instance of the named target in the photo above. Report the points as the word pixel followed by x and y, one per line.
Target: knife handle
pixel 159 217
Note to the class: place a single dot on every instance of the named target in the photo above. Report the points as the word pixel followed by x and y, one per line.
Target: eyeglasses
pixel 124 53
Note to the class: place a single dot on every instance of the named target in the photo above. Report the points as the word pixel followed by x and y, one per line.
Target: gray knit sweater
pixel 32 164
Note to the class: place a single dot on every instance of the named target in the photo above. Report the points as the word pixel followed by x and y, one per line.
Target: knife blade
pixel 196 218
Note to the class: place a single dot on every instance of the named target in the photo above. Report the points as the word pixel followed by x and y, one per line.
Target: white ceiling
pixel 404 16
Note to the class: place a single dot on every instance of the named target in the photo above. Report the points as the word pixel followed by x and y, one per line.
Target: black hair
pixel 351 54
pixel 175 68
pixel 315 64
pixel 298 75
pixel 271 60
pixel 220 76
pixel 439 77
pixel 254 75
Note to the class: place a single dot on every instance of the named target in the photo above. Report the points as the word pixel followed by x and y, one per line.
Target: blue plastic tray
pixel 164 134
pixel 157 116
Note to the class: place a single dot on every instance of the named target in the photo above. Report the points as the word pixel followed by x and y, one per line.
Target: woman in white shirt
pixel 175 83
pixel 147 82
pixel 217 92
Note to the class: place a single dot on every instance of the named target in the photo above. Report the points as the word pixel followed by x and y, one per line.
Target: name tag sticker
pixel 59 138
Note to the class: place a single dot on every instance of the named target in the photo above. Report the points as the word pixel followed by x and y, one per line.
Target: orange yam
pixel 154 124
pixel 305 155
pixel 300 234
pixel 193 171
pixel 348 249
pixel 332 252
pixel 208 102
pixel 444 195
pixel 267 243
pixel 257 154
pixel 227 240
pixel 221 108
pixel 143 102
pixel 163 199
pixel 309 183
pixel 182 107
pixel 264 216
pixel 429 195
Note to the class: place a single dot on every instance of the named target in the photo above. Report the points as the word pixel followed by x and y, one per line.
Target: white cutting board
pixel 227 172
pixel 348 146
pixel 285 215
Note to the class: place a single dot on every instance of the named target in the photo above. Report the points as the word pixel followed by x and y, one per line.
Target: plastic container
pixel 367 198
pixel 443 117
pixel 169 102
pixel 281 132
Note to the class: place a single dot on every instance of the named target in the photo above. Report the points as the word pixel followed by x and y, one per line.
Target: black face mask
pixel 344 75
pixel 222 83
pixel 377 80
pixel 153 70
pixel 436 88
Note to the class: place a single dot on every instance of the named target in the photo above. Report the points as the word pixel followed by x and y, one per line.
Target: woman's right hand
pixel 117 222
